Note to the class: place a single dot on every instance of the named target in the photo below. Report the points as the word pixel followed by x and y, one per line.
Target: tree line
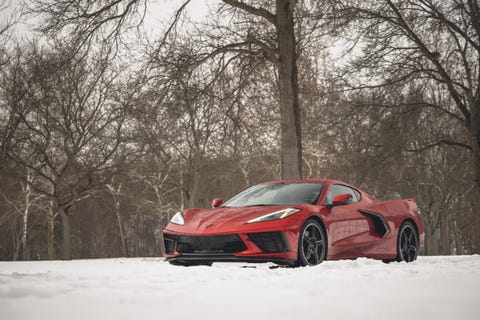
pixel 106 131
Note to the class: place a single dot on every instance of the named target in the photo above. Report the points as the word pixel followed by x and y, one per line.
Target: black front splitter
pixel 197 259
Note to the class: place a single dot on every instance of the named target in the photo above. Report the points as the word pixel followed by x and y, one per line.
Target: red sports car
pixel 296 223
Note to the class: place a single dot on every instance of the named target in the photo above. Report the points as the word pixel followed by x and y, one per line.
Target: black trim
pixel 381 226
pixel 206 259
pixel 170 242
pixel 270 242
pixel 205 245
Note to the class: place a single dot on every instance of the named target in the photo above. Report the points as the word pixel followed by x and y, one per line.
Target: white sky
pixel 159 13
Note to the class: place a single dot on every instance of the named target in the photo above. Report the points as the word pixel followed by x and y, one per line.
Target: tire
pixel 312 244
pixel 407 243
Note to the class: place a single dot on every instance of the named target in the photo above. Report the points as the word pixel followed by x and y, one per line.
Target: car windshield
pixel 277 194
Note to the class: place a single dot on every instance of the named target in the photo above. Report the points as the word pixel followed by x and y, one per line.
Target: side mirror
pixel 217 202
pixel 340 199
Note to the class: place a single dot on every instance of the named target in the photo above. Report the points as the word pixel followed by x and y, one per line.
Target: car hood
pixel 220 220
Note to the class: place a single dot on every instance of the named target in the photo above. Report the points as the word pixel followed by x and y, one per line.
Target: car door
pixel 348 229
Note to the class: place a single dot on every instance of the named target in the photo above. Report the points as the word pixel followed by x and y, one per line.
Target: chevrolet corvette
pixel 296 223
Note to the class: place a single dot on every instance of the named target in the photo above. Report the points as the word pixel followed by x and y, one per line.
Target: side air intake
pixel 381 225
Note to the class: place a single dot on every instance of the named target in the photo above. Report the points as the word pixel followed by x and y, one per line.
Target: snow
pixel 446 287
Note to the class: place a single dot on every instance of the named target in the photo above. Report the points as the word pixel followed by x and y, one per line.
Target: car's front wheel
pixel 312 244
pixel 407 244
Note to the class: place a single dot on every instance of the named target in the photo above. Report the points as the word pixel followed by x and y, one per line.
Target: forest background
pixel 111 120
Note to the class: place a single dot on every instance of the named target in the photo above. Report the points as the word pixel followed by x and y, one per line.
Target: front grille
pixel 270 242
pixel 210 244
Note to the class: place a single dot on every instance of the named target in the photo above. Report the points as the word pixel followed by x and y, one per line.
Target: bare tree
pixel 377 149
pixel 85 19
pixel 89 22
pixel 8 122
pixel 70 127
pixel 284 56
pixel 115 191
pixel 10 18
pixel 23 208
pixel 427 41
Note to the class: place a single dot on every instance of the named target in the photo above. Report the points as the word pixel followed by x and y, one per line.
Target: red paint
pixel 341 198
pixel 217 202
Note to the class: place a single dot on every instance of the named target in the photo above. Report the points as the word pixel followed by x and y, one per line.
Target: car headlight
pixel 275 215
pixel 178 218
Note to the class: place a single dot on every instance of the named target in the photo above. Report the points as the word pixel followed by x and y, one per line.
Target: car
pixel 296 223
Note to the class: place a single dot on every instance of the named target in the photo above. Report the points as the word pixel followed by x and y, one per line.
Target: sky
pixel 158 16
pixel 159 13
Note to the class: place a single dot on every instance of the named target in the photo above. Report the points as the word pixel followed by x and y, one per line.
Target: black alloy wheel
pixel 407 244
pixel 312 244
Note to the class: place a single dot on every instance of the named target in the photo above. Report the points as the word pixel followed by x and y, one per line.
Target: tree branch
pixel 259 12
pixel 402 23
pixel 438 143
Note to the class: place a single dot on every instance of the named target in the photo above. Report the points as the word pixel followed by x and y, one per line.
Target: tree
pixel 23 207
pixel 115 191
pixel 87 19
pixel 7 120
pixel 9 18
pixel 284 55
pixel 432 42
pixel 70 126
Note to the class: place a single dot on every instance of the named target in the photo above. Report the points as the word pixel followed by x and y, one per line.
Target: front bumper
pixel 249 247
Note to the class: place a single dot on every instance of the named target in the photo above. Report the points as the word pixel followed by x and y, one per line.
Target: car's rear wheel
pixel 312 244
pixel 407 243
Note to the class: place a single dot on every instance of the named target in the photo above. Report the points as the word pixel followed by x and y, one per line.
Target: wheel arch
pixel 412 222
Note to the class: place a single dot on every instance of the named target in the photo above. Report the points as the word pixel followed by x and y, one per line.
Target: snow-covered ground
pixel 430 288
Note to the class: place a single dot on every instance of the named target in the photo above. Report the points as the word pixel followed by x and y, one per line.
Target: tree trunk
pixel 193 200
pixel 16 245
pixel 121 230
pixel 161 239
pixel 431 243
pixel 27 191
pixel 458 240
pixel 116 192
pixel 66 234
pixel 50 235
pixel 291 144
pixel 476 207
pixel 475 138
pixel 445 234
pixel 182 189
pixel 24 234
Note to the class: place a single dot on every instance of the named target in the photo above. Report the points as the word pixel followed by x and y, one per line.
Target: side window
pixel 337 189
